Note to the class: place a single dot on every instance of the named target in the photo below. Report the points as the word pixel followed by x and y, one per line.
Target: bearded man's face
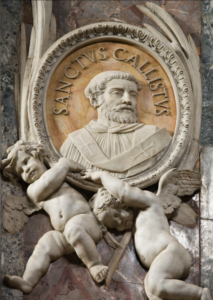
pixel 119 101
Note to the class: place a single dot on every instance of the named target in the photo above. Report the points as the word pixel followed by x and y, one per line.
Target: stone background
pixel 67 277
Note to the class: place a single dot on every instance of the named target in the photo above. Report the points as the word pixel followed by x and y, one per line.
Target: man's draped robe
pixel 99 147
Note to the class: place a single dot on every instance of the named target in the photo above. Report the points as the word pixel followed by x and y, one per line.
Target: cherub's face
pixel 117 218
pixel 28 167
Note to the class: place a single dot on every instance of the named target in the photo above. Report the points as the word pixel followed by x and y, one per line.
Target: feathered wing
pixel 16 211
pixel 174 184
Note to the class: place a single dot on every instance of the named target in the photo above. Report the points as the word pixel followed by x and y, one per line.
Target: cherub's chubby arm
pixel 52 179
pixel 132 196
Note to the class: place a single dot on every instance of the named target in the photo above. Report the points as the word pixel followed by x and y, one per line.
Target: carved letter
pixel 56 112
pixel 61 100
pixel 158 94
pixel 79 62
pixel 148 72
pixel 153 80
pixel 115 51
pixel 154 87
pixel 134 59
pixel 159 112
pixel 67 84
pixel 161 93
pixel 161 102
pixel 71 77
pixel 142 66
pixel 92 59
pixel 101 53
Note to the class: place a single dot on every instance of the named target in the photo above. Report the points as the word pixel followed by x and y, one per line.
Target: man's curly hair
pixel 98 84
pixel 34 149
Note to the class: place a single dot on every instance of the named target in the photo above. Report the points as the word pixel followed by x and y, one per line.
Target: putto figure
pixel 116 142
pixel 76 227
pixel 167 260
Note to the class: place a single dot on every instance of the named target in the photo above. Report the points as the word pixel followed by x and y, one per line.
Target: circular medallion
pixel 74 111
pixel 77 124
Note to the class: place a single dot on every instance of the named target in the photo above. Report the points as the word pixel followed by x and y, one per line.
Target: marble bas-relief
pixel 116 142
pixel 76 228
pixel 167 260
pixel 120 145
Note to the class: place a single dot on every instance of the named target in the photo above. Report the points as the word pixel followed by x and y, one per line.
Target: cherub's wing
pixel 16 211
pixel 174 184
pixel 184 215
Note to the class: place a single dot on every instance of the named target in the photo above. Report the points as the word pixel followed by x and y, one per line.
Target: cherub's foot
pixel 17 282
pixel 99 273
pixel 206 294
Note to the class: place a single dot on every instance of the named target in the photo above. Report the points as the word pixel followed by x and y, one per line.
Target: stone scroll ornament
pixel 154 156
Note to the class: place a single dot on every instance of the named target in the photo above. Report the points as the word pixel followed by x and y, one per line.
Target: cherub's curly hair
pixel 103 200
pixel 34 149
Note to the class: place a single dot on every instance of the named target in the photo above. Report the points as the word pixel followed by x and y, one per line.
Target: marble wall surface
pixel 206 228
pixel 11 245
pixel 207 71
pixel 67 278
pixel 206 217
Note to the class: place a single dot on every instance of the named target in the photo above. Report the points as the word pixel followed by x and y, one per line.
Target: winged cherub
pixel 76 227
pixel 168 261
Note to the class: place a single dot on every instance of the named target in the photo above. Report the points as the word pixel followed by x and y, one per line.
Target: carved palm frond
pixel 186 50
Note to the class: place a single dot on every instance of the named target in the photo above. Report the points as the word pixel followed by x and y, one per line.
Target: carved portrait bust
pixel 109 108
pixel 116 142
pixel 122 106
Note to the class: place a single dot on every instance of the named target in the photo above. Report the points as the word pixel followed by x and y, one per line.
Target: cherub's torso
pixel 152 233
pixel 64 204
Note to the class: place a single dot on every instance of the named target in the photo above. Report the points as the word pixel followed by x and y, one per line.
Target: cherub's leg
pixel 162 279
pixel 83 232
pixel 51 246
pixel 147 289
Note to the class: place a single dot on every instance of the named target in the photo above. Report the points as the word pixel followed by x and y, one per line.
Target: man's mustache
pixel 124 106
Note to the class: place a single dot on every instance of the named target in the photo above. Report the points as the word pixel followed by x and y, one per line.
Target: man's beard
pixel 119 115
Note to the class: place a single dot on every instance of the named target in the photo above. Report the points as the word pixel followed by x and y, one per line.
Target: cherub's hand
pixel 92 175
pixel 73 166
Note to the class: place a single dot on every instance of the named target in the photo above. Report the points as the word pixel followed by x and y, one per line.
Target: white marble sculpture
pixel 76 228
pixel 167 260
pixel 116 142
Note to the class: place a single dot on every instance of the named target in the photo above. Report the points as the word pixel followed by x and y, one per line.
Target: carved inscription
pixel 156 86
pixel 68 75
pixel 63 99
pixel 103 55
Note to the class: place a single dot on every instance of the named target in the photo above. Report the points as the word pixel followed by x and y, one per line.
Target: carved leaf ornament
pixel 178 57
